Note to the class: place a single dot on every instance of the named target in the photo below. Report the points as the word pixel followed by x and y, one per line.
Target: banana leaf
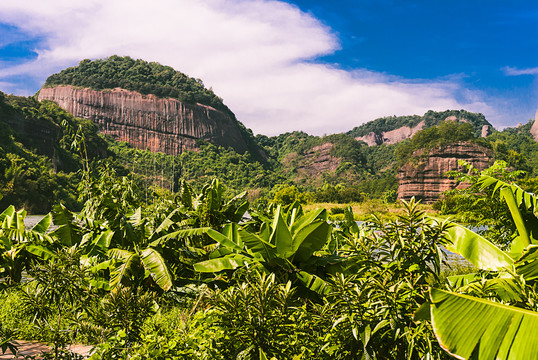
pixel 155 264
pixel 471 327
pixel 475 248
pixel 228 262
pixel 526 265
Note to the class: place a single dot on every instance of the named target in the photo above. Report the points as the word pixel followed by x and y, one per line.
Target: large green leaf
pixel 43 225
pixel 227 262
pixel 155 264
pixel 102 243
pixel 522 239
pixel 67 231
pixel 526 265
pixel 523 198
pixel 180 234
pixel 313 282
pixel 41 252
pixel 466 326
pixel 223 240
pixel 130 261
pixel 231 231
pixel 308 218
pixel 256 245
pixel 475 248
pixel 281 236
pixel 314 239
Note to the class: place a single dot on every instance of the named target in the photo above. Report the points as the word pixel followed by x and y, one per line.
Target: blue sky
pixel 317 66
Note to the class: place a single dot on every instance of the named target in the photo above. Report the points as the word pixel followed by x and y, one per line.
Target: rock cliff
pixel 534 128
pixel 149 122
pixel 392 136
pixel 425 179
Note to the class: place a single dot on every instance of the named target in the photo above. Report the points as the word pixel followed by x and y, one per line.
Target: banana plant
pixel 20 246
pixel 285 245
pixel 467 326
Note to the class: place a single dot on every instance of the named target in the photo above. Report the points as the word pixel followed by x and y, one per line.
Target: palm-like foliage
pixel 285 244
pixel 467 326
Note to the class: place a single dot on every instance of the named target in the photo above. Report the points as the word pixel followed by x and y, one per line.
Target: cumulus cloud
pixel 511 71
pixel 258 55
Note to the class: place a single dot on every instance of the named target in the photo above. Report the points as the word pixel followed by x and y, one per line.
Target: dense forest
pixel 44 148
pixel 190 275
pixel 35 175
pixel 430 118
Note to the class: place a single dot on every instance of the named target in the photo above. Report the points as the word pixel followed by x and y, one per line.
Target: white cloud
pixel 251 52
pixel 511 71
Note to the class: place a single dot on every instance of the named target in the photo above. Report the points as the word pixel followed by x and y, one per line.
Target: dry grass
pixel 362 211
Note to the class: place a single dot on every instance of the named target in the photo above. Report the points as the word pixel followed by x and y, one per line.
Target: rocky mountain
pixel 534 128
pixel 148 121
pixel 147 105
pixel 425 179
pixel 393 129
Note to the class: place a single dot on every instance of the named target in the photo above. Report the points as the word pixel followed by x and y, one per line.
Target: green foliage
pixel 517 147
pixel 287 195
pixel 260 315
pixel 430 118
pixel 55 295
pixel 446 133
pixel 477 204
pixel 38 162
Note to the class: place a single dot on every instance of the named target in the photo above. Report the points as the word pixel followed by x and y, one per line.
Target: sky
pixel 318 66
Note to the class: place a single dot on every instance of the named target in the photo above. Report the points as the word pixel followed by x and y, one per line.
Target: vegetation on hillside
pixel 430 118
pixel 137 75
pixel 30 179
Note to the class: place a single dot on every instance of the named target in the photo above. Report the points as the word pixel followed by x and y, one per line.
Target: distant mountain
pixel 393 129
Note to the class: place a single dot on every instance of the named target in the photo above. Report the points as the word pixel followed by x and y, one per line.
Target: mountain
pixel 159 114
pixel 393 129
pixel 147 105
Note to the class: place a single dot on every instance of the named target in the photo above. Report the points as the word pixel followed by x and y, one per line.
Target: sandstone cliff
pixel 149 122
pixel 425 180
pixel 534 128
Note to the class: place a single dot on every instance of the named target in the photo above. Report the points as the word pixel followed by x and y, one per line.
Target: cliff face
pixel 534 128
pixel 147 121
pixel 392 136
pixel 426 180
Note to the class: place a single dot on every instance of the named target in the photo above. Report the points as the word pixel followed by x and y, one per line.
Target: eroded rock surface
pixel 391 137
pixel 424 178
pixel 534 128
pixel 147 121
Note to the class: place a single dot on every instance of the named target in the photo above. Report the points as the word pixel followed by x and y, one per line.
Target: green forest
pixel 191 275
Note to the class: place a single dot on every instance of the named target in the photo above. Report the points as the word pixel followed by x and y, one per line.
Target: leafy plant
pixel 285 245
pixel 497 330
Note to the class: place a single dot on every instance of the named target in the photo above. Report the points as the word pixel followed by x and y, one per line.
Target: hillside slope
pixel 148 105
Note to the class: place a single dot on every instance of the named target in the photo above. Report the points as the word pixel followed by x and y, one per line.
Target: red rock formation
pixel 425 180
pixel 534 128
pixel 147 121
